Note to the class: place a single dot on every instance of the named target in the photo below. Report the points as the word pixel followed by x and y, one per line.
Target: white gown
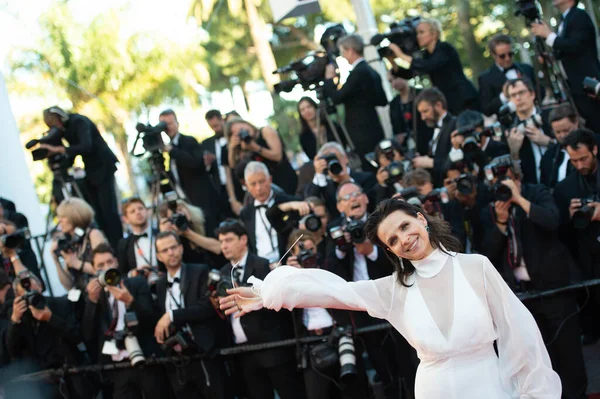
pixel 456 307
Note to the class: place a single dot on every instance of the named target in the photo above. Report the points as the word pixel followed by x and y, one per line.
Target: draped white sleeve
pixel 524 362
pixel 289 287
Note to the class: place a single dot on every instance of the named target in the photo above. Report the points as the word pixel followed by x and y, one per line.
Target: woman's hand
pixel 240 302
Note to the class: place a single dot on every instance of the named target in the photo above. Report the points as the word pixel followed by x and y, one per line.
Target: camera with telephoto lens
pixel 151 274
pixel 31 297
pixel 591 86
pixel 506 114
pixel 68 242
pixel 218 283
pixel 109 277
pixel 582 217
pixel 245 136
pixel 179 220
pixel 501 192
pixel 312 222
pixel 473 136
pixel 333 164
pixel 395 172
pixel 346 350
pixel 529 9
pixel 15 240
pixel 306 257
pixel 126 340
pixel 465 183
pixel 356 229
pixel 402 33
pixel 339 240
pixel 499 167
pixel 179 342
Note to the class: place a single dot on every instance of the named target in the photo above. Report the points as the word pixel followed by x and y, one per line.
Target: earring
pixel 401 263
pixel 427 228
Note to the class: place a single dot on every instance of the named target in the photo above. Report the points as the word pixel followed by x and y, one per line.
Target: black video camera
pixel 333 164
pixel 218 283
pixel 52 137
pixel 582 217
pixel 591 86
pixel 16 239
pixel 402 33
pixel 31 297
pixel 306 257
pixel 69 243
pixel 152 139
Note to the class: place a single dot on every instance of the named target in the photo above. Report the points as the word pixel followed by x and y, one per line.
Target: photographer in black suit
pixel 491 81
pixel 269 370
pixel 188 171
pixel 521 240
pixel 105 317
pixel 574 45
pixel 84 139
pixel 441 62
pixel 188 312
pixel 360 94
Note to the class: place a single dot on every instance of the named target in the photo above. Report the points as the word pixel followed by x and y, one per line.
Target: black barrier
pixel 67 370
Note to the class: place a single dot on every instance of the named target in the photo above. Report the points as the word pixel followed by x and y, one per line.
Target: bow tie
pixel 175 281
pixel 510 68
pixel 138 236
pixel 263 206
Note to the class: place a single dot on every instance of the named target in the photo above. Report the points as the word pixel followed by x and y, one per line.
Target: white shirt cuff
pixel 550 39
pixel 373 255
pixel 503 98
pixel 340 254
pixel 320 180
pixel 171 315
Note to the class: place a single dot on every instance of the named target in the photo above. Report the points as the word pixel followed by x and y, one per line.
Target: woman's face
pixel 425 35
pixel 65 224
pixel 307 111
pixel 405 235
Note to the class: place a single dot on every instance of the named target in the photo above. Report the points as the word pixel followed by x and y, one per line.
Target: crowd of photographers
pixel 523 191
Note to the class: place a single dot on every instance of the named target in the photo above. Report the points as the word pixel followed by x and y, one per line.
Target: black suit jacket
pixel 491 82
pixel 446 72
pixel 576 48
pixel 549 166
pixel 55 341
pixel 85 140
pixel 366 180
pixel 210 144
pixel 97 317
pixel 547 259
pixel 126 253
pixel 195 181
pixel 528 166
pixel 264 325
pixel 360 94
pixel 443 149
pixel 248 216
pixel 198 313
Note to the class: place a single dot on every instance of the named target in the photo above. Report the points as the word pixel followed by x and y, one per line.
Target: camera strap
pixel 140 251
pixel 177 303
pixel 268 228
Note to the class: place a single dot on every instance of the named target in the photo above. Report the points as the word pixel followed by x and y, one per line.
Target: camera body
pixel 31 297
pixel 179 342
pixel 245 136
pixel 333 164
pixel 152 140
pixel 126 340
pixel 591 86
pixel 582 217
pixel 306 257
pixel 16 239
pixel 395 171
pixel 356 229
pixel 109 277
pixel 178 219
pixel 499 167
pixel 465 183
pixel 70 243
pixel 218 283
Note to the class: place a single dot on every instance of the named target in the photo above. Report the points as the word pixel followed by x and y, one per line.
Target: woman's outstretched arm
pixel 289 287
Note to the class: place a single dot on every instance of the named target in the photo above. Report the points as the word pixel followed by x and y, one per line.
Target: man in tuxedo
pixel 555 165
pixel 356 261
pixel 263 238
pixel 433 108
pixel 574 45
pixel 136 251
pixel 84 139
pixel 361 93
pixel 104 317
pixel 189 172
pixel 43 337
pixel 269 370
pixel 531 134
pixel 186 308
pixel 325 183
pixel 491 81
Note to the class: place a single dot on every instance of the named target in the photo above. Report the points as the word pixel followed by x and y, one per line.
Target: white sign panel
pixel 283 9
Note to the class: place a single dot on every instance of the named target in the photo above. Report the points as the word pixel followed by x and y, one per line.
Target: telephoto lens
pixel 347 354
pixel 132 346
pixel 108 277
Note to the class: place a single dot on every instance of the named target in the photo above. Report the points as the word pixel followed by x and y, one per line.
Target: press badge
pixel 74 295
pixel 110 348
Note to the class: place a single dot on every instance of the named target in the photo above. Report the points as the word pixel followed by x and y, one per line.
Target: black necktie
pixel 175 281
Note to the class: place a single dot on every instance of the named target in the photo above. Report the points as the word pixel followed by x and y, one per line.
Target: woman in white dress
pixel 450 307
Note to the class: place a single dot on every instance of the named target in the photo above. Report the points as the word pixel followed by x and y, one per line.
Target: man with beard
pixel 432 105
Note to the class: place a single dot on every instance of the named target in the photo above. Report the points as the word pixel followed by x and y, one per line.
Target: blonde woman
pixel 247 142
pixel 77 239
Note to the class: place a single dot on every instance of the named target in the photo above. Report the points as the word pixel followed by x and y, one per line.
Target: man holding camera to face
pixel 189 325
pixel 521 239
pixel 117 324
pixel 43 334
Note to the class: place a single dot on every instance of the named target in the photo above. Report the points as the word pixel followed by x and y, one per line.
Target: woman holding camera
pixel 188 223
pixel 246 141
pixel 75 243
pixel 441 62
pixel 450 307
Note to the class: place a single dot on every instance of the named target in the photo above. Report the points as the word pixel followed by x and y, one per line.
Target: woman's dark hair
pixel 440 235
pixel 303 123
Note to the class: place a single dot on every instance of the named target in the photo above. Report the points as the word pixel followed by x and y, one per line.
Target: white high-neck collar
pixel 431 265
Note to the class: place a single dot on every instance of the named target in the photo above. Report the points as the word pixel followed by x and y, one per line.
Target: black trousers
pixel 381 350
pixel 564 345
pixel 139 382
pixel 199 379
pixel 103 198
pixel 262 381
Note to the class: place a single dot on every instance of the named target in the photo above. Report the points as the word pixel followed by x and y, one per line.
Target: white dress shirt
pixel 239 336
pixel 121 309
pixel 144 250
pixel 222 142
pixel 538 150
pixel 551 38
pixel 360 262
pixel 562 168
pixel 174 292
pixel 267 244
pixel 172 163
